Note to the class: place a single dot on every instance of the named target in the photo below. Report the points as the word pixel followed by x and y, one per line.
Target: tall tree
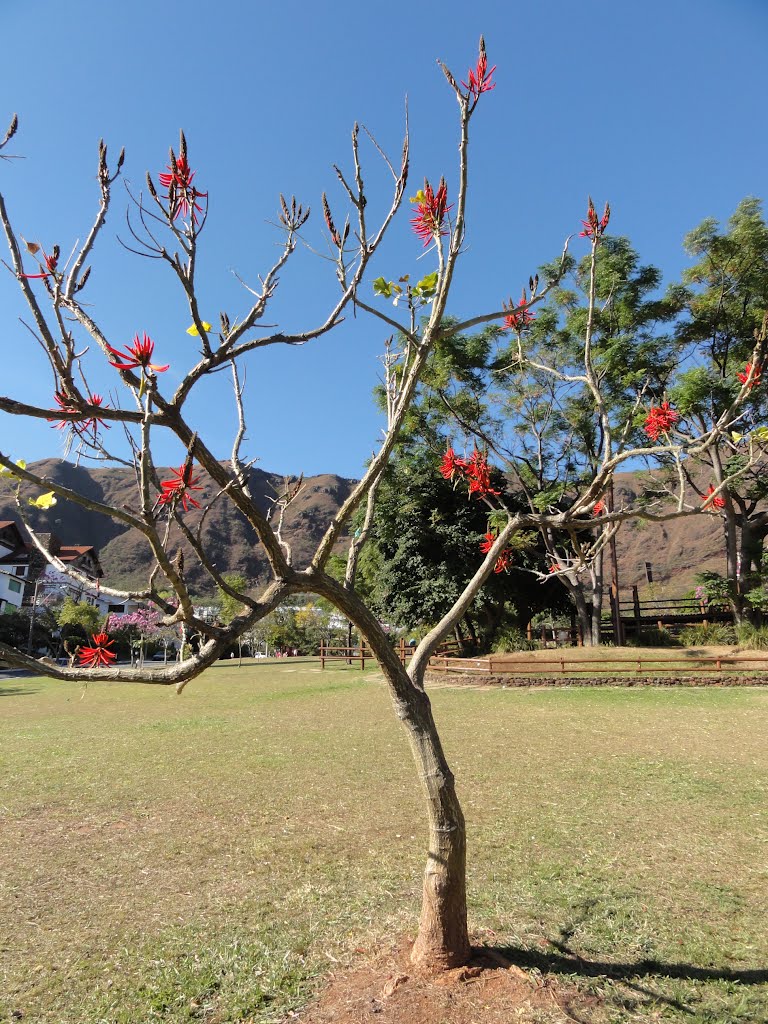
pixel 725 294
pixel 168 226
pixel 424 545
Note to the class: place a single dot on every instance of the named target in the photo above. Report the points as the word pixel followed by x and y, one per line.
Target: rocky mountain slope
pixel 229 540
pixel 676 550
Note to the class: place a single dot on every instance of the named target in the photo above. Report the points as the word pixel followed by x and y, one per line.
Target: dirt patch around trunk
pixel 387 988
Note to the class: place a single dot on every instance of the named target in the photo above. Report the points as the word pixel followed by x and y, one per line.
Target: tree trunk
pixel 583 615
pixel 596 573
pixel 736 596
pixel 752 541
pixel 443 939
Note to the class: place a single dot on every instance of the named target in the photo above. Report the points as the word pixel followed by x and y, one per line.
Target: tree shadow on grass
pixel 567 961
pixel 13 691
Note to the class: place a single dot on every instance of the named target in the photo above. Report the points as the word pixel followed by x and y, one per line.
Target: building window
pixel 14 585
pixel 20 570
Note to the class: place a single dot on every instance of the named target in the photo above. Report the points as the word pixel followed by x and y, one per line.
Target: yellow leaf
pixel 736 437
pixel 418 198
pixel 194 331
pixel 9 472
pixel 45 501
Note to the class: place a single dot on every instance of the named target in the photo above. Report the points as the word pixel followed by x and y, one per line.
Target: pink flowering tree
pixel 142 626
pixel 168 225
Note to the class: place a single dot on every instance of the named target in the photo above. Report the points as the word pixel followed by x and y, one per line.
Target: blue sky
pixel 658 107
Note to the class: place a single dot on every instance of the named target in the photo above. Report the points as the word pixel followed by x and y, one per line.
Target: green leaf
pixel 383 287
pixel 427 286
pixel 497 520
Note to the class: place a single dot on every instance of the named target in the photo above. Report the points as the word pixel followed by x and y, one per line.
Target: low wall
pixel 510 681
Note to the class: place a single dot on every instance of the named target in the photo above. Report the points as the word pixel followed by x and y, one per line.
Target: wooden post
pixel 362 655
pixel 322 654
pixel 636 609
pixel 529 631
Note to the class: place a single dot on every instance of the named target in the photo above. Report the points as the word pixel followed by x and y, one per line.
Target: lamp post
pixel 32 616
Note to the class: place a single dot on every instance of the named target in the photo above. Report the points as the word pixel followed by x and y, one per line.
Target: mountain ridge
pixel 676 549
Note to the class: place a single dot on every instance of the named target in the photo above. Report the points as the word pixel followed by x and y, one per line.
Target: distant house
pixel 14 566
pixel 25 573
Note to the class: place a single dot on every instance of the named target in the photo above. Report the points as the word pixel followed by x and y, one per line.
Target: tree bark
pixel 596 573
pixel 443 938
pixel 583 615
pixel 736 597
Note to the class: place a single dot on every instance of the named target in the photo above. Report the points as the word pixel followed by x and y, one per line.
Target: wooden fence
pixel 496 665
pixel 360 654
pixel 672 611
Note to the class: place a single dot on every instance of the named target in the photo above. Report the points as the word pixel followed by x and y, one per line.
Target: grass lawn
pixel 209 857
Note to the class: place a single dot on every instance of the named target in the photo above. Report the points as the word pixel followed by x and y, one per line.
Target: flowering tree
pixel 168 226
pixel 140 626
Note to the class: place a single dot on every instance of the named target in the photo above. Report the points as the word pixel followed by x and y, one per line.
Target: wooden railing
pixel 641 665
pixel 361 653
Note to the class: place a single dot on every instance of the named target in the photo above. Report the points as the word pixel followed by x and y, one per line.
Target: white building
pixel 14 566
pixel 25 574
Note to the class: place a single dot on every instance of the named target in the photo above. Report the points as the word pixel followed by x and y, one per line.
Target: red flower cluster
pixel 659 420
pixel 475 470
pixel 712 500
pixel 594 228
pixel 479 475
pixel 517 318
pixel 182 195
pixel 480 76
pixel 504 560
pixel 431 209
pixel 599 508
pixel 98 654
pixel 84 424
pixel 50 262
pixel 744 375
pixel 135 355
pixel 175 490
pixel 452 465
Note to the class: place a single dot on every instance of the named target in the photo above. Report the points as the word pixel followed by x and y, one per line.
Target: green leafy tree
pixel 548 433
pixel 78 617
pixel 725 295
pixel 232 585
pixel 424 546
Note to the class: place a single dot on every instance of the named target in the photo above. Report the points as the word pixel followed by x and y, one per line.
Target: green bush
pixel 652 636
pixel 713 634
pixel 510 638
pixel 753 637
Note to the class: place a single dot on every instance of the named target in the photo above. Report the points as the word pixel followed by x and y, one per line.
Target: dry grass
pixel 207 857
